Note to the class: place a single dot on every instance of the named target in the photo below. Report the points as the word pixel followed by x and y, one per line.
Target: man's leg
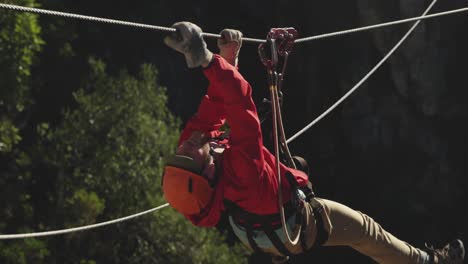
pixel 359 231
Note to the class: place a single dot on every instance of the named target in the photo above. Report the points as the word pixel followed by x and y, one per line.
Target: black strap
pixel 275 240
pixel 303 236
pixel 252 242
pixel 244 218
pixel 253 222
pixel 322 234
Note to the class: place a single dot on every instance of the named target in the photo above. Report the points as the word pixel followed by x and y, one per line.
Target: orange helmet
pixel 184 188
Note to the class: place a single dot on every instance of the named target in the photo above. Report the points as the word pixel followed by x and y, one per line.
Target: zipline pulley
pixel 281 42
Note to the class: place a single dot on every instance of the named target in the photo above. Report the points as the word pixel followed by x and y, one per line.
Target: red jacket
pixel 247 175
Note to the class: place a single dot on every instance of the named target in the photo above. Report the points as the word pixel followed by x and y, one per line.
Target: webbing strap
pixel 252 242
pixel 275 240
pixel 322 234
pixel 303 237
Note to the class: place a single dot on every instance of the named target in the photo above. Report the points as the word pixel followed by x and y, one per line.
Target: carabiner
pixel 285 38
pixel 270 63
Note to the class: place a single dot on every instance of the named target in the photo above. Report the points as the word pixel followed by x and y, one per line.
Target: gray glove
pixel 229 45
pixel 189 41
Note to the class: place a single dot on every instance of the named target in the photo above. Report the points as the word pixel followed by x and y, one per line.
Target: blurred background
pixel 89 111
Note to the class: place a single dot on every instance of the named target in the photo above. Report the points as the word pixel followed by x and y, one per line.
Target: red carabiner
pixel 270 63
pixel 281 41
pixel 284 37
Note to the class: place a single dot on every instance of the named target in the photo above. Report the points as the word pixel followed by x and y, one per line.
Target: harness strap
pixel 317 209
pixel 252 242
pixel 303 236
pixel 322 234
pixel 252 221
pixel 265 223
pixel 275 240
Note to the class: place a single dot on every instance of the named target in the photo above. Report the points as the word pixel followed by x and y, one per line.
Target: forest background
pixel 89 111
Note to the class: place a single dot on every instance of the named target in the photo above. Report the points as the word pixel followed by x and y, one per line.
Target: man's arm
pixel 209 119
pixel 211 112
pixel 229 97
pixel 240 111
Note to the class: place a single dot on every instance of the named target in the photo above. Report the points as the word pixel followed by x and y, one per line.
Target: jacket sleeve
pixel 229 99
pixel 239 109
pixel 209 118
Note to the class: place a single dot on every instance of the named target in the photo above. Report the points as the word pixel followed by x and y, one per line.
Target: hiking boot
pixel 452 253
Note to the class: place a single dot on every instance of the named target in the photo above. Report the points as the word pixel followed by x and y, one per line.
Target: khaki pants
pixel 347 227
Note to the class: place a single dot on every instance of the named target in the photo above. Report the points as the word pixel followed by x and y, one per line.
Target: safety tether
pixel 280 42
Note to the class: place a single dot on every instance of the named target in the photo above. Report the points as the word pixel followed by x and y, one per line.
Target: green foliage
pixel 199 245
pixel 9 135
pixel 84 207
pixel 19 42
pixel 25 251
pixel 115 140
pixel 110 150
pixel 101 159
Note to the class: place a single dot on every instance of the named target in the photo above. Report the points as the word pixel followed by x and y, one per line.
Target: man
pixel 212 173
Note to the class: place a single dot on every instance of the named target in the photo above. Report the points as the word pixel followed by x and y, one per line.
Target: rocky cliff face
pixel 399 140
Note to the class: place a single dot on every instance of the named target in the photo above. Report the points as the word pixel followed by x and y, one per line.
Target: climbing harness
pixel 252 223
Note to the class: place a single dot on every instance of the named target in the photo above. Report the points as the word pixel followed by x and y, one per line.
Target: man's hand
pixel 229 45
pixel 188 40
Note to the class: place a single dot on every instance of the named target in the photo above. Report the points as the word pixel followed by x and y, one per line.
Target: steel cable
pixel 81 228
pixel 211 35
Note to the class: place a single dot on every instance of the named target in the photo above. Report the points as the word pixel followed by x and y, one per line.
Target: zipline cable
pixel 369 74
pixel 83 17
pixel 211 35
pixel 105 20
pixel 81 228
pixel 381 25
